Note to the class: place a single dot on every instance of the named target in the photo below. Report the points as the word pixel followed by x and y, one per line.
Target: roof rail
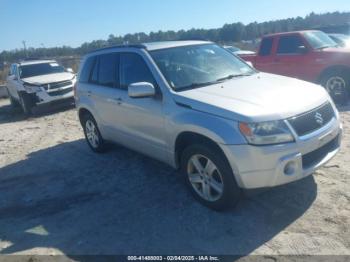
pixel 140 46
pixel 30 59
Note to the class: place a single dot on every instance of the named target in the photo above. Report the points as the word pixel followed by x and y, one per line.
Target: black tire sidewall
pixel 232 192
pixel 14 103
pixel 25 103
pixel 101 143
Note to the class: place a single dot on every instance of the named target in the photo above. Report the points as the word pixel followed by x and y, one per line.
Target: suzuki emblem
pixel 319 119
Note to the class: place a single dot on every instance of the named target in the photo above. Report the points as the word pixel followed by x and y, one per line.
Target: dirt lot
pixel 56 196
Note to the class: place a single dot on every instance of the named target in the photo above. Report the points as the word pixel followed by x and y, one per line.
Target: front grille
pixel 316 156
pixel 313 120
pixel 60 92
pixel 57 85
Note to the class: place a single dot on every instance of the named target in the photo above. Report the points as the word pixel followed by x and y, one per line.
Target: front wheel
pixel 26 103
pixel 337 83
pixel 210 177
pixel 13 102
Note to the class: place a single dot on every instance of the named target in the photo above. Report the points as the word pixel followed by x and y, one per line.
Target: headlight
pixel 32 88
pixel 266 133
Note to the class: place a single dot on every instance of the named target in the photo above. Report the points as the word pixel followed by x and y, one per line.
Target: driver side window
pixel 11 72
pixel 14 71
pixel 133 69
pixel 290 45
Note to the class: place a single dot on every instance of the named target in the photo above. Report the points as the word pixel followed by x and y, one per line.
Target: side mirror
pixel 302 50
pixel 141 90
pixel 70 70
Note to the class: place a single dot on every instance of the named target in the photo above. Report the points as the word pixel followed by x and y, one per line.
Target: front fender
pixel 219 130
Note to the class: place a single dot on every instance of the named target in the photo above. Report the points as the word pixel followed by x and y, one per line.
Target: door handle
pixel 116 100
pixel 89 93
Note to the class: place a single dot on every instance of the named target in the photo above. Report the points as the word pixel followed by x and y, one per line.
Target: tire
pixel 92 134
pixel 26 103
pixel 337 83
pixel 214 186
pixel 14 103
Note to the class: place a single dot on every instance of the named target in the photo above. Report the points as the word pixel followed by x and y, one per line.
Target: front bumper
pixel 269 166
pixel 45 98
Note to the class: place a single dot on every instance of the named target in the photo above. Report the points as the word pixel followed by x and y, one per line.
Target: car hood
pixel 345 50
pixel 50 78
pixel 260 97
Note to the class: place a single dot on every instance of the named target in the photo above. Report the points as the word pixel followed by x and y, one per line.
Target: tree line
pixel 229 33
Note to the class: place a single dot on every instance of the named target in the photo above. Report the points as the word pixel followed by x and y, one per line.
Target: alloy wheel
pixel 92 133
pixel 205 178
pixel 335 85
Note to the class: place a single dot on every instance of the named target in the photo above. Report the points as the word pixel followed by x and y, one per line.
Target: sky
pixel 51 23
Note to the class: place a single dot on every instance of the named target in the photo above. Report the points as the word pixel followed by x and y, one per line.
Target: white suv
pixel 197 107
pixel 38 82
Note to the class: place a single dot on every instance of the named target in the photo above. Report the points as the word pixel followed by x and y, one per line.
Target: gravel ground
pixel 57 197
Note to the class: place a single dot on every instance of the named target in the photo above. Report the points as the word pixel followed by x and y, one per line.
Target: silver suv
pixel 39 82
pixel 197 107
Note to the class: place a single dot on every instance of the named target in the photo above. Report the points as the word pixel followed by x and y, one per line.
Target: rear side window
pixel 266 46
pixel 103 71
pixel 85 72
pixel 94 74
pixel 133 69
pixel 289 44
pixel 107 70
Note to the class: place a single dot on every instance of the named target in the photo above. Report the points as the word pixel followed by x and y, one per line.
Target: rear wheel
pixel 337 84
pixel 92 134
pixel 210 177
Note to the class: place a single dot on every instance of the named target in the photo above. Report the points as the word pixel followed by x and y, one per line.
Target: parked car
pixel 235 50
pixel 194 106
pixel 341 39
pixel 308 55
pixel 39 82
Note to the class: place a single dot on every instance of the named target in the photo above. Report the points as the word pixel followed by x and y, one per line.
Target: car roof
pixel 33 62
pixel 152 46
pixel 171 44
pixel 290 33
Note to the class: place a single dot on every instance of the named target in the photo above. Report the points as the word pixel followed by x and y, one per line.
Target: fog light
pixel 290 168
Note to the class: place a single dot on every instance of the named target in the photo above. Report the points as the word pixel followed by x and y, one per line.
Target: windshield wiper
pixel 326 46
pixel 195 85
pixel 231 77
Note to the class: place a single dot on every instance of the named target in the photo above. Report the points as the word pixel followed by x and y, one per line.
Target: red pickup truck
pixel 308 55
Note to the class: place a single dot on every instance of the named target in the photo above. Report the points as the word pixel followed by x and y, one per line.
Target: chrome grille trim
pixel 313 120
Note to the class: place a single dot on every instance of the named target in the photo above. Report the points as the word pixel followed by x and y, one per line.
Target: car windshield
pixel 40 69
pixel 196 66
pixel 319 40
